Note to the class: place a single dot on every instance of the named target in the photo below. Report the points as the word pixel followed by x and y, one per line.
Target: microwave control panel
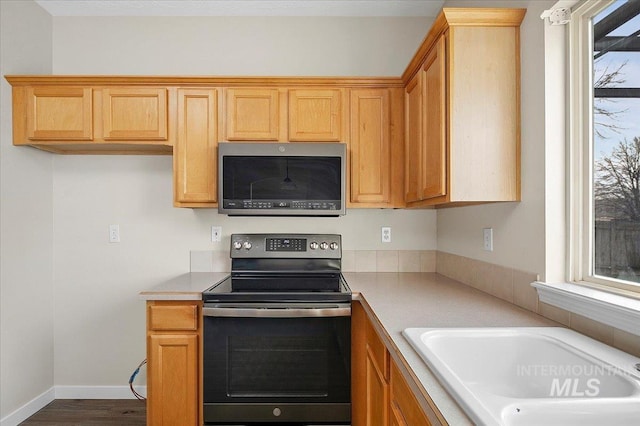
pixel 279 204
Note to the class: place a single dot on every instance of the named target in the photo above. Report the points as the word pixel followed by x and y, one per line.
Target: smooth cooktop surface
pixel 279 287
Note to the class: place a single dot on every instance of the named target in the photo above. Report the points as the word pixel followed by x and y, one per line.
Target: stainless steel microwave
pixel 281 179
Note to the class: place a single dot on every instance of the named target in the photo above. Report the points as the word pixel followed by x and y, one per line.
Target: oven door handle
pixel 342 310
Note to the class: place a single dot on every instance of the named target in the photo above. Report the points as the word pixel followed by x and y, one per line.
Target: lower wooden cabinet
pixel 380 394
pixel 173 363
pixel 405 409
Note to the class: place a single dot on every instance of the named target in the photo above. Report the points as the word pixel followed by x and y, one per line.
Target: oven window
pixel 293 360
pixel 278 366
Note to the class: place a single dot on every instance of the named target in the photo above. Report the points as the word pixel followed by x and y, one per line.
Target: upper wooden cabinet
pixel 425 170
pixel 131 113
pixel 434 159
pixel 195 153
pixel 414 144
pixel 376 148
pixel 81 118
pixel 56 113
pixel 315 115
pixel 445 133
pixel 253 114
pixel 463 110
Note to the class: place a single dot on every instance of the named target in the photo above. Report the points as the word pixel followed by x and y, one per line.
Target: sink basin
pixel 532 375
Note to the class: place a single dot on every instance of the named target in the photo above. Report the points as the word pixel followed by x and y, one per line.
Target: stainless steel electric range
pixel 277 345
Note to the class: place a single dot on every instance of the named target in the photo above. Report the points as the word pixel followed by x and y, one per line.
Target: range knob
pixel 333 246
pixel 324 245
pixel 313 245
pixel 237 245
pixel 247 245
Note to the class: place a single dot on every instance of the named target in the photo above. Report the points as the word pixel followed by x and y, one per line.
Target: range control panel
pixel 286 244
pixel 320 246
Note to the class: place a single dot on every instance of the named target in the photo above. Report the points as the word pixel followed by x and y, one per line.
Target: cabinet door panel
pixel 315 115
pixel 252 114
pixel 59 113
pixel 370 146
pixel 173 380
pixel 395 416
pixel 196 146
pixel 403 402
pixel 134 113
pixel 434 153
pixel 414 135
pixel 377 394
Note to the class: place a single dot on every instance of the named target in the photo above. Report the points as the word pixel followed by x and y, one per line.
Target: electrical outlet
pixel 385 234
pixel 216 234
pixel 487 239
pixel 114 233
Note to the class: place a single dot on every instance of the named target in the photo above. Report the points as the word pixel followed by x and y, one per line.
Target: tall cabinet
pixel 195 151
pixel 376 148
pixel 462 105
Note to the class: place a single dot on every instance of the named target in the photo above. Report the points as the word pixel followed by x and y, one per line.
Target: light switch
pixel 216 234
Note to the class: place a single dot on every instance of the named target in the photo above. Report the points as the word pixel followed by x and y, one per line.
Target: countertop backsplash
pixel 352 261
pixel 511 285
pixel 514 286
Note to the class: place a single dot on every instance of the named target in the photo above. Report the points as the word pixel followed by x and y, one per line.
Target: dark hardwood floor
pixel 94 412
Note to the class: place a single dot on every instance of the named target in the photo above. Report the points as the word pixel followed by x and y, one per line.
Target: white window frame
pixel 568 280
pixel 580 154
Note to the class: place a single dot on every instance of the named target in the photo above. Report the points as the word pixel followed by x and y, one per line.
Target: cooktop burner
pixel 282 268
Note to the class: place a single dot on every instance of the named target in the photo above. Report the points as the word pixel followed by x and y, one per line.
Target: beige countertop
pixel 187 286
pixel 399 301
pixel 403 300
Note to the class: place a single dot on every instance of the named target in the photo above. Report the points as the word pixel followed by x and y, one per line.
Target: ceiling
pixel 242 7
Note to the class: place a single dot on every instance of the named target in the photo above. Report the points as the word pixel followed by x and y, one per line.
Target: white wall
pixel 255 46
pixel 518 228
pixel 26 222
pixel 99 322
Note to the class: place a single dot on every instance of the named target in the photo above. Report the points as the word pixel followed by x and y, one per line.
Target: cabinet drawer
pixel 377 350
pixel 171 318
pixel 404 405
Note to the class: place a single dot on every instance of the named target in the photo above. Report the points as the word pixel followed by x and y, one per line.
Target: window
pixel 605 148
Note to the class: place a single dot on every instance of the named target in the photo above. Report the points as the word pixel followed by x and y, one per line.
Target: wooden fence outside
pixel 617 249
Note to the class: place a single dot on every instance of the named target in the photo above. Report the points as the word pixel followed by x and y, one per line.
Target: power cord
pixel 133 376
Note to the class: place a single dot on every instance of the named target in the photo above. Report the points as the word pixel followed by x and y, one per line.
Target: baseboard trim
pixel 97 392
pixel 68 392
pixel 29 409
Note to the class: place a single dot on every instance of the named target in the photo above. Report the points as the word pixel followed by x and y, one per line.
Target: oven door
pixel 277 363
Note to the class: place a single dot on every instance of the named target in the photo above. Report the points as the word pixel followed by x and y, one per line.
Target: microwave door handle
pixel 335 311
